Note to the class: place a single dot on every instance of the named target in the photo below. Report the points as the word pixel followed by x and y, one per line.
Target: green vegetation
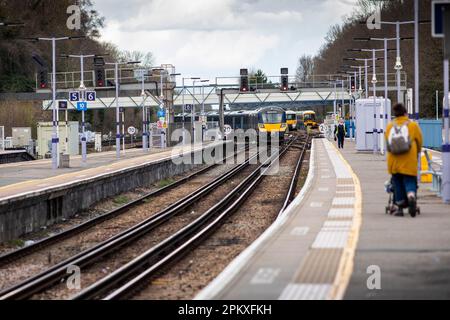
pixel 17 243
pixel 121 200
pixel 165 182
pixel 340 38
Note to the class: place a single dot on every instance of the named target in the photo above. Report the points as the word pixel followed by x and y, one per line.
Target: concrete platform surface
pixel 336 242
pixel 307 253
pixel 411 255
pixel 26 177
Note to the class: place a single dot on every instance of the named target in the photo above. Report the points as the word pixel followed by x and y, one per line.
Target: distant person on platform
pixel 340 133
pixel 404 143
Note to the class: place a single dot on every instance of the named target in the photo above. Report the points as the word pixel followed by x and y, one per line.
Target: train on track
pixel 307 119
pixel 267 121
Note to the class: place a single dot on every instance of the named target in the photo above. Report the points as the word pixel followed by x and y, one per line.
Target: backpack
pixel 399 141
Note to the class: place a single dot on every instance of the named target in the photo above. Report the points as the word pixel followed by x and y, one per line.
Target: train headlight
pixel 283 125
pixel 261 126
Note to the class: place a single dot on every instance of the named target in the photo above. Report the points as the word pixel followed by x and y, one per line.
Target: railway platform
pixel 336 242
pixel 32 195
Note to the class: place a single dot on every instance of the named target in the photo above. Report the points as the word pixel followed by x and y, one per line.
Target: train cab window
pixel 291 117
pixel 272 117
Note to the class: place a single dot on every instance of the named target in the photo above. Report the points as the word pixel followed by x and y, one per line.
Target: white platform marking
pixel 300 231
pixel 341 213
pixel 344 201
pixel 265 276
pixel 305 292
pixel 316 204
pixel 331 239
pixel 324 189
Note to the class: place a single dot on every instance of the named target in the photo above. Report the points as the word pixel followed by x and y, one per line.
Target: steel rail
pixel 54 274
pixel 294 181
pixel 172 248
pixel 17 254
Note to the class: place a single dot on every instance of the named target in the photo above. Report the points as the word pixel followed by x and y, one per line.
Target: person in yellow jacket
pixel 403 165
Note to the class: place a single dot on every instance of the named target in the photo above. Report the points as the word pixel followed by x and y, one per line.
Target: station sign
pixel 188 108
pixel 438 8
pixel 91 96
pixel 62 105
pixel 161 113
pixel 74 96
pixel 82 106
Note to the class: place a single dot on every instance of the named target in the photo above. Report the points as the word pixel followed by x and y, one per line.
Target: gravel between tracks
pixel 195 271
pixel 39 261
pixel 114 261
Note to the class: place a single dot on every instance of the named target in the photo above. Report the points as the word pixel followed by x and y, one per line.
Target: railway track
pixel 54 274
pixel 76 230
pixel 117 286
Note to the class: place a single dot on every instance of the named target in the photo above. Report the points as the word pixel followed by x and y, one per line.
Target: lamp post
pixel 116 77
pixel 184 105
pixel 366 71
pixel 145 144
pixel 398 64
pixel 55 110
pixel 193 109
pixel 162 101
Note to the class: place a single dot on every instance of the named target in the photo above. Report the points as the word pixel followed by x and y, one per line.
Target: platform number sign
pixel 74 96
pixel 62 105
pixel 82 106
pixel 91 96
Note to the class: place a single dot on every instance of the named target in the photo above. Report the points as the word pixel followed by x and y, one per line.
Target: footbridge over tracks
pixel 319 90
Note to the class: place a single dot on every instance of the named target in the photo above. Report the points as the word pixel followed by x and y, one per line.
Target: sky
pixel 216 38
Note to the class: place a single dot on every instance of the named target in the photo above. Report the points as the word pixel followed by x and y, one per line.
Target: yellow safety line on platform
pixel 346 264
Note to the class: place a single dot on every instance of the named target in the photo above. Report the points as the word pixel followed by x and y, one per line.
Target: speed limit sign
pixel 227 129
pixel 131 130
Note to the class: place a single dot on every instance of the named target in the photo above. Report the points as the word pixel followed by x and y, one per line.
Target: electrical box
pixel 21 137
pixel 366 111
pixel 69 140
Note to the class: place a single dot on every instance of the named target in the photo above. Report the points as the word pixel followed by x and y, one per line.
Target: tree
pixel 147 59
pixel 258 77
pixel 305 68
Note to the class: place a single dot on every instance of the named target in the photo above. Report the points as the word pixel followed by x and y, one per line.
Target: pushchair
pixel 391 207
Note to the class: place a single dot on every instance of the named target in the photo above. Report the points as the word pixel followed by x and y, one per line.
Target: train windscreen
pixel 311 117
pixel 272 117
pixel 291 117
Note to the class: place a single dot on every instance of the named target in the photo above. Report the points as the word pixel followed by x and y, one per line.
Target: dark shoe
pixel 399 213
pixel 412 206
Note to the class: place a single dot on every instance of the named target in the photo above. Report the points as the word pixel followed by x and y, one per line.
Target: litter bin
pixel 64 160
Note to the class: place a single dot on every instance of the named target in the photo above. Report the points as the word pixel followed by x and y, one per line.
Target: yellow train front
pixel 291 119
pixel 272 121
pixel 309 119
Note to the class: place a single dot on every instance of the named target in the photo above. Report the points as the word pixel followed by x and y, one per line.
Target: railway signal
pixel 284 79
pixel 100 75
pixel 43 78
pixel 244 80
